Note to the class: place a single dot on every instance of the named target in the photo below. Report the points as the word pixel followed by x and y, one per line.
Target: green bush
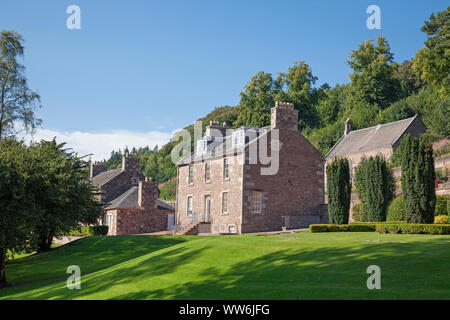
pixel 396 210
pixel 413 228
pixel 342 228
pixel 87 231
pixel 357 212
pixel 442 204
pixel 339 191
pixel 443 219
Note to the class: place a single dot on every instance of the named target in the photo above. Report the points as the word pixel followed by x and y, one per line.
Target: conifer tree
pixel 339 191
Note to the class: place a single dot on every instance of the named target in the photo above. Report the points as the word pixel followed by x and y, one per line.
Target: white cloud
pixel 100 144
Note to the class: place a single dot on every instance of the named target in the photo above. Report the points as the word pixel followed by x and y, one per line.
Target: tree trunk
pixel 3 282
pixel 45 241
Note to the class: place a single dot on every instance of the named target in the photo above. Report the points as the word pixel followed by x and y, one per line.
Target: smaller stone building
pixel 131 203
pixel 382 140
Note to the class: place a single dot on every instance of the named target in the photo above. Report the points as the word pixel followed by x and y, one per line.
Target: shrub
pixel 357 214
pixel 413 228
pixel 87 231
pixel 418 179
pixel 374 185
pixel 315 228
pixel 443 219
pixel 396 210
pixel 338 190
pixel 442 204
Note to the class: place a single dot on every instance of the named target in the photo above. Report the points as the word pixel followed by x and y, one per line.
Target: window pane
pixel 256 202
pixel 191 174
pixel 225 168
pixel 207 171
pixel 189 205
pixel 225 202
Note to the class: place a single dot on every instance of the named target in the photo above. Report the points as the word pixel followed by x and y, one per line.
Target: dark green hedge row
pixel 87 231
pixel 366 227
pixel 413 228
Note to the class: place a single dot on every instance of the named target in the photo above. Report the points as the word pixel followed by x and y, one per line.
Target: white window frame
pixel 238 138
pixel 225 208
pixel 191 175
pixel 226 169
pixel 254 201
pixel 189 213
pixel 208 171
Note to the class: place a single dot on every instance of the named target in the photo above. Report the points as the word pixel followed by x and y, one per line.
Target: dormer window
pixel 238 138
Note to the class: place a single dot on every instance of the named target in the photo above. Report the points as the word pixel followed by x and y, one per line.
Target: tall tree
pixel 432 62
pixel 339 191
pixel 15 207
pixel 374 186
pixel 418 177
pixel 62 194
pixel 257 99
pixel 17 101
pixel 373 78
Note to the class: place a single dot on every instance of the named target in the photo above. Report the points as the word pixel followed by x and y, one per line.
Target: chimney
pixel 148 193
pixel 284 116
pixel 216 129
pixel 131 162
pixel 348 126
pixel 96 168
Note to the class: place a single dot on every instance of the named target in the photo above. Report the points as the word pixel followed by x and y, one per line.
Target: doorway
pixel 207 208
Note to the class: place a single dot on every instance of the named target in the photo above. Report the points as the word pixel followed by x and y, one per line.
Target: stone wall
pixel 134 221
pixel 200 188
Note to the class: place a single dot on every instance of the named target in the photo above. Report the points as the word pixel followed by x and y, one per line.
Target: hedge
pixel 367 227
pixel 413 228
pixel 88 231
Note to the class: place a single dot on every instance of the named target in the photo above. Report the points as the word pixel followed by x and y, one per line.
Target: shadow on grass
pixel 90 254
pixel 414 270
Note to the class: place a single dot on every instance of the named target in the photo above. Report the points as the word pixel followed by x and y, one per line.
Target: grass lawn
pixel 297 266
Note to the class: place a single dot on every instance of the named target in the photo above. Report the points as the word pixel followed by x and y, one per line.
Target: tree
pixel 410 82
pixel 297 87
pixel 374 185
pixel 15 215
pixel 17 101
pixel 373 78
pixel 339 191
pixel 62 194
pixel 418 178
pixel 257 99
pixel 432 62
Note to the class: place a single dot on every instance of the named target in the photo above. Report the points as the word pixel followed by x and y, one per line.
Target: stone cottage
pixel 131 203
pixel 382 140
pixel 231 184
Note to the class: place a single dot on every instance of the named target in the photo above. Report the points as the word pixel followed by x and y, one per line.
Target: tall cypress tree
pixel 339 191
pixel 374 186
pixel 418 176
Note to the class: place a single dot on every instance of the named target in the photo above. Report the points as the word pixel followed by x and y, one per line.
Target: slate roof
pixel 214 147
pixel 129 200
pixel 377 137
pixel 106 176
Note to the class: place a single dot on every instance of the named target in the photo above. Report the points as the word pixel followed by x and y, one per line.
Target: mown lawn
pixel 298 266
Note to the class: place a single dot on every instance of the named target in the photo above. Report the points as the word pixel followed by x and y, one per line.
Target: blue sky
pixel 138 70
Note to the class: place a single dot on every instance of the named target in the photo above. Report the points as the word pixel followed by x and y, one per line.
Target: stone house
pixel 230 184
pixel 131 203
pixel 382 140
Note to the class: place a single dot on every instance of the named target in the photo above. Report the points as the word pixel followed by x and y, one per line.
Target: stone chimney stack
pixel 284 116
pixel 348 126
pixel 216 129
pixel 96 168
pixel 131 163
pixel 148 193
